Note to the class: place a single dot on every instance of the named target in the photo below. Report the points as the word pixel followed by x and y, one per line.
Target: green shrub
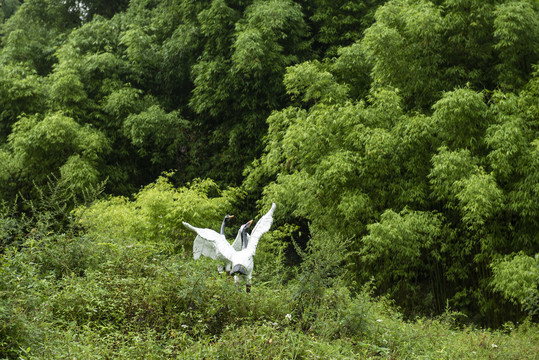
pixel 517 278
pixel 10 230
pixel 340 315
pixel 268 341
pixel 270 257
pixel 138 300
pixel 157 212
pixel 320 270
pixel 22 295
pixel 125 289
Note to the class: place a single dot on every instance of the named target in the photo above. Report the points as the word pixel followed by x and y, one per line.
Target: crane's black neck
pixel 223 225
pixel 225 220
pixel 244 237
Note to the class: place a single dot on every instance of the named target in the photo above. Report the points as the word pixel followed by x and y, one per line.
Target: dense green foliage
pixel 432 170
pixel 399 139
pixel 118 281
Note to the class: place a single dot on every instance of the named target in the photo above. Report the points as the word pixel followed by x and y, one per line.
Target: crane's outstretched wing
pixel 204 247
pixel 261 227
pixel 204 243
pixel 208 238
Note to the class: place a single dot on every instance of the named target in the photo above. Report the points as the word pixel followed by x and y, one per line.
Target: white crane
pixel 241 260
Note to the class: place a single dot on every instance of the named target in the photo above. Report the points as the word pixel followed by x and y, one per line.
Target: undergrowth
pixel 116 286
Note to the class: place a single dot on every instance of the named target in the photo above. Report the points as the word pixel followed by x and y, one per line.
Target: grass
pixel 141 302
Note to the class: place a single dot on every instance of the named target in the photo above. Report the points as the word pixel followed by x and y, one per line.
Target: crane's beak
pixel 249 224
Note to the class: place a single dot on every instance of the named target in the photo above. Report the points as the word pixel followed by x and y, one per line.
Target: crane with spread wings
pixel 240 259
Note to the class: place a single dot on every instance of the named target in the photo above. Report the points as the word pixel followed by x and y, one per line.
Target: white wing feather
pixel 262 226
pixel 222 247
pixel 205 242
pixel 204 247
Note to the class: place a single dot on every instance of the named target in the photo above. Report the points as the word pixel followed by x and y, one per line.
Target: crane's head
pixel 226 220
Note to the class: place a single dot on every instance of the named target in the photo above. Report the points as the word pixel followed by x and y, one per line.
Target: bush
pixel 321 269
pixel 121 290
pixel 268 341
pixel 22 295
pixel 516 278
pixel 157 212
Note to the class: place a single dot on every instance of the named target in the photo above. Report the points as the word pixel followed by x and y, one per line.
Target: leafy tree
pixel 516 29
pixel 516 277
pixel 97 81
pixel 90 8
pixel 8 8
pixel 34 31
pixel 21 91
pixel 402 144
pixel 424 48
pixel 402 250
pixel 413 121
pixel 58 143
pixel 219 64
pixel 512 141
pixel 237 83
pixel 151 132
pixel 469 39
pixel 339 23
pixel 404 47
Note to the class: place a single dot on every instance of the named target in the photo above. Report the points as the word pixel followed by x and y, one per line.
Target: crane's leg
pixel 248 283
pixel 228 266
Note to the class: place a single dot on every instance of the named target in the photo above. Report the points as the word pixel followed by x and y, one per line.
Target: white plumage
pixel 201 246
pixel 240 258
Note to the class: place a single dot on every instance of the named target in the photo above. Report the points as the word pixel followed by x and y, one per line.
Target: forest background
pixel 399 139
